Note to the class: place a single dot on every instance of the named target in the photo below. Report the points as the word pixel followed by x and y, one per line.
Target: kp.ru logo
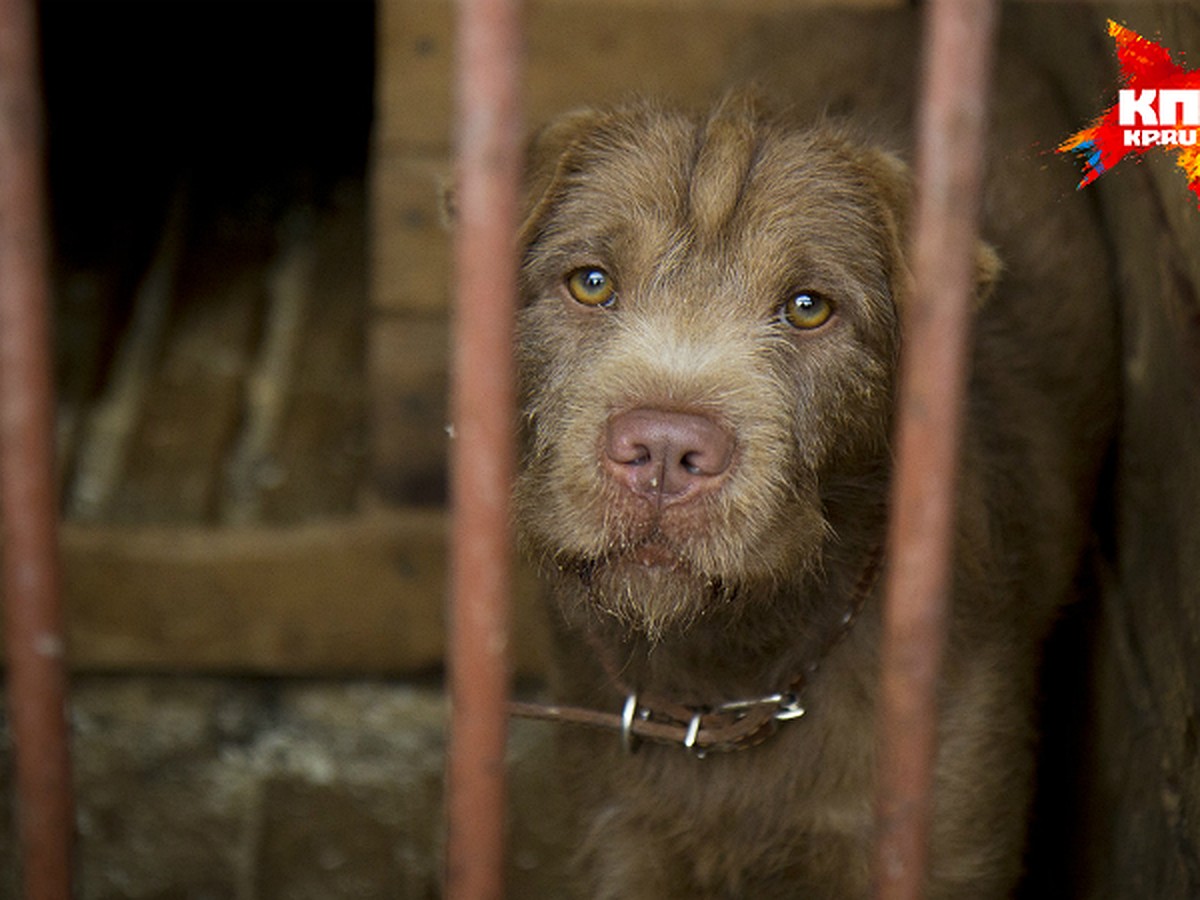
pixel 1158 107
pixel 1180 109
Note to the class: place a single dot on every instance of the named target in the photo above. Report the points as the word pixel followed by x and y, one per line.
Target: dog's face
pixel 708 339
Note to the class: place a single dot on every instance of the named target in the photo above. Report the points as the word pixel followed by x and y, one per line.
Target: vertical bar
pixel 950 148
pixel 482 454
pixel 36 678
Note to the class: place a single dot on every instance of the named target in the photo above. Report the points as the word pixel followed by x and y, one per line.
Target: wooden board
pixel 409 359
pixel 361 596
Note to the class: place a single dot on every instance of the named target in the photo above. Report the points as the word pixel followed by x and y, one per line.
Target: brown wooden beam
pixel 360 597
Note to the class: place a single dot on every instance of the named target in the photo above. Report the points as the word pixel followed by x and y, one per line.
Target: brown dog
pixel 708 353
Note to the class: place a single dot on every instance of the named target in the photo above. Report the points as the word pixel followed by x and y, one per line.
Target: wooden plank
pixel 410 239
pixel 577 52
pixel 414 52
pixel 323 444
pixel 113 423
pixel 253 410
pixel 85 301
pixel 361 596
pixel 192 403
pixel 269 382
pixel 408 371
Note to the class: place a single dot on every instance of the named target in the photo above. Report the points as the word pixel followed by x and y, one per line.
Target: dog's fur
pixel 707 224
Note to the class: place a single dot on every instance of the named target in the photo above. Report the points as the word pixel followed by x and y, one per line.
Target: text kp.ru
pixel 1159 118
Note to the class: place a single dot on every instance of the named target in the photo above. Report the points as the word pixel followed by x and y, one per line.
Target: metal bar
pixel 950 148
pixel 36 679
pixel 481 448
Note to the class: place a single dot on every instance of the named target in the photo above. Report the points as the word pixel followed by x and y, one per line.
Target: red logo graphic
pixel 1158 106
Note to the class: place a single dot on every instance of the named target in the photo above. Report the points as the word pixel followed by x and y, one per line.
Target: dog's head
pixel 708 339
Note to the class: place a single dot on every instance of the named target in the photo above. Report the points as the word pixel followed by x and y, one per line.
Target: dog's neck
pixel 757 643
pixel 700 714
pixel 758 651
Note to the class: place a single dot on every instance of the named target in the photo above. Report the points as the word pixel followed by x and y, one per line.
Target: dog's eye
pixel 591 286
pixel 806 310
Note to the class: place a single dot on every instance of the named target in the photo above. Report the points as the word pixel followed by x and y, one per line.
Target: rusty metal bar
pixel 481 450
pixel 33 628
pixel 956 56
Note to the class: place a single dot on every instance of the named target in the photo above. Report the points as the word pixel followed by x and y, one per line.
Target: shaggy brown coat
pixel 695 235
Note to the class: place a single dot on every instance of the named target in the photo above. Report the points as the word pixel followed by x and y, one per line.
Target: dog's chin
pixel 652 590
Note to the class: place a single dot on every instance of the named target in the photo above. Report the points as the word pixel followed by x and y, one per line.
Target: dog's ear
pixel 890 181
pixel 549 158
pixel 894 188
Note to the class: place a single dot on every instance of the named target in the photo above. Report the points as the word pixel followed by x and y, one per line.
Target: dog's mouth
pixel 651 587
pixel 653 552
pixel 655 549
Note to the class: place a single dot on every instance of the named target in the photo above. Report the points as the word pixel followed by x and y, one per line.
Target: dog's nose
pixel 668 456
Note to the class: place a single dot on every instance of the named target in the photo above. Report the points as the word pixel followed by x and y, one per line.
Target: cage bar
pixel 956 56
pixel 481 448
pixel 36 683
